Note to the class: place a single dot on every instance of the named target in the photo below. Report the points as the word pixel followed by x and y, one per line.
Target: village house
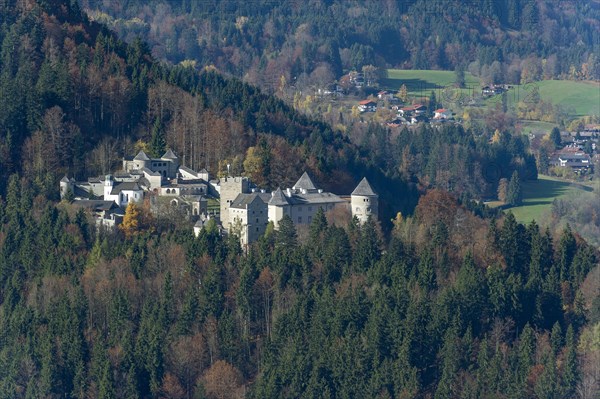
pixel 386 96
pixel 574 158
pixel 367 106
pixel 412 110
pixel 442 114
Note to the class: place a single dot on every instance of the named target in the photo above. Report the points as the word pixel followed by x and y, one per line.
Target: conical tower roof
pixel 141 156
pixel 364 189
pixel 169 155
pixel 277 198
pixel 304 183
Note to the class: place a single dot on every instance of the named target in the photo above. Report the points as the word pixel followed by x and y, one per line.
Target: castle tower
pixel 172 163
pixel 141 161
pixel 230 188
pixel 108 185
pixel 66 185
pixel 364 201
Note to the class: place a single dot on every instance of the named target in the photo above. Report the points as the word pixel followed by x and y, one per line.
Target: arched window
pixel 168 191
pixel 174 203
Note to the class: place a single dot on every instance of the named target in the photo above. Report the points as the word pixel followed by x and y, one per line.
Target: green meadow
pixel 420 83
pixel 539 194
pixel 578 97
pixel 581 97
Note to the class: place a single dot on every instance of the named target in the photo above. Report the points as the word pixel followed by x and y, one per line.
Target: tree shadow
pixel 414 85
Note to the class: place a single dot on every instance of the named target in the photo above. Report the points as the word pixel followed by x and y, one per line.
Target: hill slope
pixel 308 42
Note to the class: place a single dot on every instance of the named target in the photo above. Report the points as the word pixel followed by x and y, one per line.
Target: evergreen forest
pixel 441 298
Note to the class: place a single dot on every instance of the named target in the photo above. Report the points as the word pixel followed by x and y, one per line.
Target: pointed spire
pixel 65 179
pixel 364 189
pixel 304 183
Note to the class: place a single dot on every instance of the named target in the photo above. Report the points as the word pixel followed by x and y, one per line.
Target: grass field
pixel 420 83
pixel 538 196
pixel 536 127
pixel 584 97
pixel 581 97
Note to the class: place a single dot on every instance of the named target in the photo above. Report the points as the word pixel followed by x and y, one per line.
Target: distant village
pixel 575 155
pixel 244 209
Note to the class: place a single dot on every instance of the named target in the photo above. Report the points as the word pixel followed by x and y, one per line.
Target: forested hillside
pixel 74 99
pixel 440 302
pixel 311 42
pixel 450 306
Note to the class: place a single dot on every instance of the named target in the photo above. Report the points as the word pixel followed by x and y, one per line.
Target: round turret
pixel 364 201
pixel 66 185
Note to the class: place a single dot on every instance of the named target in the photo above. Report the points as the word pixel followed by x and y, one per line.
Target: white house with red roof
pixel 367 106
pixel 442 113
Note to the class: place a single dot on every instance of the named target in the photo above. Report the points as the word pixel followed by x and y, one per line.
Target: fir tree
pixel 514 196
pixel 158 142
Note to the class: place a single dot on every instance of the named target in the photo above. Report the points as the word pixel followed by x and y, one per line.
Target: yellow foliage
pixel 131 220
pixel 141 145
pixel 253 164
pixel 497 137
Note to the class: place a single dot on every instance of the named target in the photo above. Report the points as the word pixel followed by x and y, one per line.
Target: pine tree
pixel 566 252
pixel 555 137
pixel 514 196
pixel 570 375
pixel 158 142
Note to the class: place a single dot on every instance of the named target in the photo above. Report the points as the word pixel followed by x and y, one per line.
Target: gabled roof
pixel 278 198
pixel 304 183
pixel 242 200
pixel 64 179
pixel 129 186
pixel 367 102
pixel 364 188
pixel 96 205
pixel 150 172
pixel 188 170
pixel 169 155
pixel 141 156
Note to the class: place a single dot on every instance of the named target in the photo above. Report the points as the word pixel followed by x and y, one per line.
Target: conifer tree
pixel 514 196
pixel 158 141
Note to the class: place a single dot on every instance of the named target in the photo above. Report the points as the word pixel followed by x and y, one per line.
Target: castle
pixel 244 209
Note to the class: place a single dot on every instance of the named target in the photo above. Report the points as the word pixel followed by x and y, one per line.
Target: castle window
pixel 168 191
pixel 309 219
pixel 368 209
pixel 310 209
pixel 357 209
pixel 299 219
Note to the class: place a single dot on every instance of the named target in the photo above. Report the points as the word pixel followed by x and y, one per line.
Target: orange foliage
pixel 223 381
